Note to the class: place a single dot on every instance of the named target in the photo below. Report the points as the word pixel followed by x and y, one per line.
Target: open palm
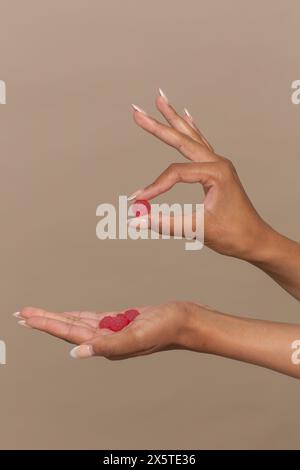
pixel 155 329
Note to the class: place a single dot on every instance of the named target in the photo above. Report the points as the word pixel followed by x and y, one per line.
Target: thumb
pixel 111 346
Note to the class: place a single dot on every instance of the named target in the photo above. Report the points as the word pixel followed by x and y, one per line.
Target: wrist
pixel 271 249
pixel 263 245
pixel 198 331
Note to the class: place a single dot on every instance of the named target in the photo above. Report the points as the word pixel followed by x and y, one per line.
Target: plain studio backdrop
pixel 68 142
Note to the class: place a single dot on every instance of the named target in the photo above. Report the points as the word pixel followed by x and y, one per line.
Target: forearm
pixel 263 343
pixel 279 257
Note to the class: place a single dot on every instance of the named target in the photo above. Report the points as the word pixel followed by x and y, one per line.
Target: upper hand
pixel 232 225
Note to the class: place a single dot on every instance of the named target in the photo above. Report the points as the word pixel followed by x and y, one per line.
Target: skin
pixel 233 228
pixel 232 225
pixel 174 325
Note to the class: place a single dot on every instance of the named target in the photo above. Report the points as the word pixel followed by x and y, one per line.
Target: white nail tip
pixel 134 195
pixel 137 108
pixel 163 95
pixel 23 323
pixel 73 352
pixel 17 315
pixel 82 351
pixel 186 111
pixel 131 198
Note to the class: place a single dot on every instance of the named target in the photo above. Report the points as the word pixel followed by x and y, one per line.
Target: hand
pixel 175 325
pixel 232 225
pixel 167 326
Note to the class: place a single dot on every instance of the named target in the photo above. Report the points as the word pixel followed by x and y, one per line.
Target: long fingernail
pixel 82 351
pixel 163 95
pixel 23 323
pixel 134 195
pixel 187 113
pixel 137 108
pixel 17 315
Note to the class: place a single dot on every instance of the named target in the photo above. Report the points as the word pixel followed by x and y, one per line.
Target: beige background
pixel 68 142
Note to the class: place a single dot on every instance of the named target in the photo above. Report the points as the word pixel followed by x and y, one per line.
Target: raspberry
pixel 118 322
pixel 141 207
pixel 131 314
pixel 105 322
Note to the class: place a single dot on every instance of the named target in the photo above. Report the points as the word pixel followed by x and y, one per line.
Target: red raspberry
pixel 118 322
pixel 105 322
pixel 131 314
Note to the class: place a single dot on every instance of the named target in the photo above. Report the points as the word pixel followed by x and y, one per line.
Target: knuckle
pixel 226 169
pixel 172 169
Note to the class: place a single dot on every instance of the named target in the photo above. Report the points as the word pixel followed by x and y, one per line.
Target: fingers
pixel 87 318
pixel 176 121
pixel 188 147
pixel 183 124
pixel 187 131
pixel 71 330
pixel 204 173
pixel 28 312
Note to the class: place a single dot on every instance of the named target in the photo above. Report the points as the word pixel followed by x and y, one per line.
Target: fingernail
pixel 134 195
pixel 17 315
pixel 23 323
pixel 82 351
pixel 187 113
pixel 162 94
pixel 137 108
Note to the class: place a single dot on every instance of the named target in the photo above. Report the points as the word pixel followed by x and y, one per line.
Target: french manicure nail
pixel 23 323
pixel 137 108
pixel 17 315
pixel 163 95
pixel 82 351
pixel 187 113
pixel 134 195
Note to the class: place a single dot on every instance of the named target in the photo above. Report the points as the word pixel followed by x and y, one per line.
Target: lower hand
pixel 159 328
pixel 175 325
